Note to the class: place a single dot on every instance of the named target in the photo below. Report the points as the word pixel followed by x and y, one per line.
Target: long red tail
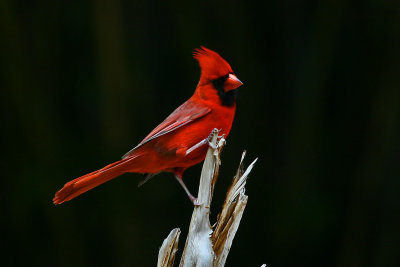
pixel 86 182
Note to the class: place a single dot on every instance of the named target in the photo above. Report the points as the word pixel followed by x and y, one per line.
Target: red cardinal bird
pixel 173 146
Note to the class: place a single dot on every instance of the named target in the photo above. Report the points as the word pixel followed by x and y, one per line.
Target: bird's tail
pixel 86 182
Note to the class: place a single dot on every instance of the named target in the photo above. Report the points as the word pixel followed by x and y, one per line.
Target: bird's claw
pixel 214 131
pixel 206 141
pixel 209 138
pixel 195 202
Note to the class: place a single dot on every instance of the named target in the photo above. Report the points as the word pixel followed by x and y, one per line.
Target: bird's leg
pixel 204 142
pixel 199 144
pixel 191 197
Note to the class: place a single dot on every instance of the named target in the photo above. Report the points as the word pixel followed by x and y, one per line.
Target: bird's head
pixel 215 71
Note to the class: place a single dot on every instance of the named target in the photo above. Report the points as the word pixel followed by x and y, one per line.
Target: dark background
pixel 83 82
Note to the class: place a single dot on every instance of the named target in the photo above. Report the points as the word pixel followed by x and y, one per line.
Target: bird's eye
pixel 219 82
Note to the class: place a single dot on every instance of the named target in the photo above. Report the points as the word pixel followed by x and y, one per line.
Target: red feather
pixel 164 149
pixel 212 65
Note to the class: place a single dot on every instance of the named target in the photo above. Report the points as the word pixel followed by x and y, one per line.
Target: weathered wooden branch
pixel 205 247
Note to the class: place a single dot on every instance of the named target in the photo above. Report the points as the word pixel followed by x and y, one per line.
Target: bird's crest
pixel 212 65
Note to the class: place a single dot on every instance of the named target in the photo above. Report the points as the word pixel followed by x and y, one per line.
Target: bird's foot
pixel 205 142
pixel 195 201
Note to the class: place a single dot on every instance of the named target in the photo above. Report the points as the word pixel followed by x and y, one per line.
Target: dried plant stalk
pixel 198 248
pixel 229 219
pixel 166 255
pixel 205 247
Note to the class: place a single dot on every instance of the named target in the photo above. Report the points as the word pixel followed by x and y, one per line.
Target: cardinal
pixel 182 139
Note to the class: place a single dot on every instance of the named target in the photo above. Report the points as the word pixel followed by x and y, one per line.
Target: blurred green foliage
pixel 83 82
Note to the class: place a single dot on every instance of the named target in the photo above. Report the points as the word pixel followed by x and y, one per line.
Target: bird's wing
pixel 184 114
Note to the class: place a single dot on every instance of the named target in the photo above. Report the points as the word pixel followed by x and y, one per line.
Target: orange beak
pixel 232 82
